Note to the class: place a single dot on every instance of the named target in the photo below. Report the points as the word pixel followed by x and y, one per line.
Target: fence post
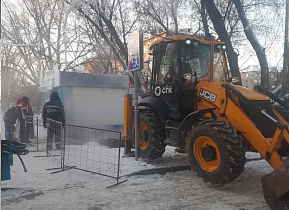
pixel 47 139
pixel 118 166
pixel 37 140
pixel 64 135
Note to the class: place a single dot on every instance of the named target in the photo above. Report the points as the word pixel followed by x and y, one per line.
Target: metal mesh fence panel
pixel 54 143
pixel 32 125
pixel 93 150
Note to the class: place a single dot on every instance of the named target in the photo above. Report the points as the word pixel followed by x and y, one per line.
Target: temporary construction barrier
pixel 84 148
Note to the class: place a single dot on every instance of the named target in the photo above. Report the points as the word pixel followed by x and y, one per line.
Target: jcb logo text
pixel 208 95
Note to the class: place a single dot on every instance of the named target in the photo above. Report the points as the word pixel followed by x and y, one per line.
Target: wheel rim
pixel 201 142
pixel 141 143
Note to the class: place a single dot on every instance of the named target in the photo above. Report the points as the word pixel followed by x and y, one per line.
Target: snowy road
pixel 73 189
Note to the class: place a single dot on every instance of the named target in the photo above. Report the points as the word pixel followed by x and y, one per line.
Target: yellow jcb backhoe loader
pixel 190 103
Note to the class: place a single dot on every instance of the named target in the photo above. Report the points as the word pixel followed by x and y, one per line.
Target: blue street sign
pixel 135 51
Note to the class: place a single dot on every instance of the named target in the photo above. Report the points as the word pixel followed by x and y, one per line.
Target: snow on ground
pixel 74 189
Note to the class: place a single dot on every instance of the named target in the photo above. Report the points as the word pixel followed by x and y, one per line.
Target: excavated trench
pixel 167 169
pixel 161 171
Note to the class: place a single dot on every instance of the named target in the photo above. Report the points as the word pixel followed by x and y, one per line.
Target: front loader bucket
pixel 276 187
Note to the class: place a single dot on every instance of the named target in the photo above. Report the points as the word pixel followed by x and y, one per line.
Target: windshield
pixel 168 65
pixel 219 66
pixel 196 58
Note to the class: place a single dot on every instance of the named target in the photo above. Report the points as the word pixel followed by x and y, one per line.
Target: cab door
pixel 166 76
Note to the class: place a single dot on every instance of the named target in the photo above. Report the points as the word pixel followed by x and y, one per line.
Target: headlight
pixel 193 42
pixel 220 46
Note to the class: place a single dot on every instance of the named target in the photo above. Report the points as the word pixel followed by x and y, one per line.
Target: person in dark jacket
pixel 10 118
pixel 23 113
pixel 54 110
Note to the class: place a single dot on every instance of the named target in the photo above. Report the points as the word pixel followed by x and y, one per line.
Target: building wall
pixel 251 78
pixel 95 107
pixel 67 101
pixel 92 100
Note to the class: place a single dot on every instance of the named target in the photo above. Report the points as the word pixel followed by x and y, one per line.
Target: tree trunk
pixel 204 20
pixel 285 79
pixel 220 28
pixel 260 51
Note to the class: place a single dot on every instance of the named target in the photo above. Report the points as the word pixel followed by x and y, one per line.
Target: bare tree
pixel 260 51
pixel 33 36
pixel 170 16
pixel 285 80
pixel 221 30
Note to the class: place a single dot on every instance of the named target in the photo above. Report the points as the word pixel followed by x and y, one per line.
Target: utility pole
pixel 285 79
pixel 0 22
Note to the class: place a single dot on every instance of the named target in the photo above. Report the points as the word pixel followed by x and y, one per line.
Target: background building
pixel 92 100
pixel 251 76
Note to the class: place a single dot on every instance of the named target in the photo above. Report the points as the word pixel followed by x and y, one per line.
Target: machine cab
pixel 176 64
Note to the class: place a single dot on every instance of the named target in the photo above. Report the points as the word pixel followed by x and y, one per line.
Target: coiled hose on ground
pixel 16 148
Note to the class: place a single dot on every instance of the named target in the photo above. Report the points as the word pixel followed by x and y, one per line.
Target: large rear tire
pixel 215 151
pixel 151 135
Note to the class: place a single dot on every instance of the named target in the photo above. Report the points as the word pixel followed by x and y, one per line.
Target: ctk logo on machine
pixel 163 90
